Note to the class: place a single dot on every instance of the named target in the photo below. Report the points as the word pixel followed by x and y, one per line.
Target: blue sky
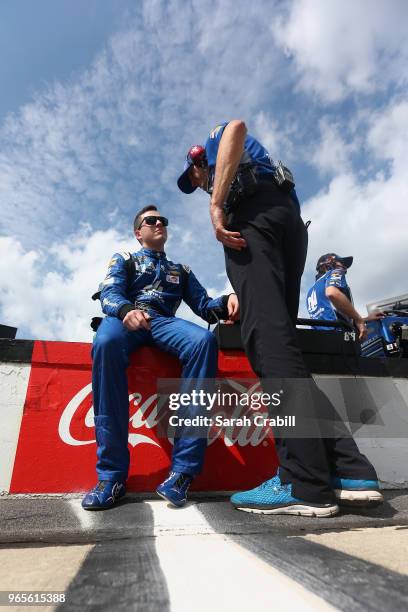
pixel 48 40
pixel 101 101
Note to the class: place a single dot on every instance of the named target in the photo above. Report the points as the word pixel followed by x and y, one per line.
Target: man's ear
pixel 138 235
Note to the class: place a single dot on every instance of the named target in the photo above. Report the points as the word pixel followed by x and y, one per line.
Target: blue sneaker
pixel 273 497
pixel 174 488
pixel 357 492
pixel 104 495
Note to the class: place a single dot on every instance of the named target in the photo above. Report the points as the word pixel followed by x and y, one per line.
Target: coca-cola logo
pixel 145 414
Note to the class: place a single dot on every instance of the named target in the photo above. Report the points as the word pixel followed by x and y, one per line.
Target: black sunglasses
pixel 152 220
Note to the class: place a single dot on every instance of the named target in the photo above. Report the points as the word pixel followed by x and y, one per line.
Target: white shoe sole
pixel 358 498
pixel 297 510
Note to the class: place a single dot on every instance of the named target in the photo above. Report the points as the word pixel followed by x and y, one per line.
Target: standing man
pixel 140 301
pixel 265 243
pixel 330 297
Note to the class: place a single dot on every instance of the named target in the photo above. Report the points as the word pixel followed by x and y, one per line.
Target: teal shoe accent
pixel 273 497
pixel 354 492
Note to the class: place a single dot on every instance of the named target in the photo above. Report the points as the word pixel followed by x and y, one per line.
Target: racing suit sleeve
pixel 195 296
pixel 114 294
pixel 337 278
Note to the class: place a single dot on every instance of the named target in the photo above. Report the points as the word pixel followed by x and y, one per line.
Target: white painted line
pixel 170 520
pixel 13 390
pixel 85 517
pixel 209 571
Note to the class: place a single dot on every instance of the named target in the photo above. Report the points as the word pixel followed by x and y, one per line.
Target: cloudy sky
pixel 100 101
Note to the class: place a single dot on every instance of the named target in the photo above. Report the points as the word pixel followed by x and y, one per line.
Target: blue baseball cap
pixel 331 258
pixel 197 156
pixel 183 181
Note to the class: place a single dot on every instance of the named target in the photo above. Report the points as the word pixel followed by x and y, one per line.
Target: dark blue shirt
pixel 254 155
pixel 254 152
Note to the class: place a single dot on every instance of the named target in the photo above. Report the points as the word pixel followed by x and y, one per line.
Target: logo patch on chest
pixel 173 278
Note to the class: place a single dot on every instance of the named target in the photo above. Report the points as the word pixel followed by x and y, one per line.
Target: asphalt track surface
pixel 145 555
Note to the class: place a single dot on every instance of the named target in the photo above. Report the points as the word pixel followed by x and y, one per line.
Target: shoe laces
pixel 272 482
pixel 170 477
pixel 181 480
pixel 275 484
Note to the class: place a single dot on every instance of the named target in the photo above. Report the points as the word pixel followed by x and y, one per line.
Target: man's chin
pixel 159 244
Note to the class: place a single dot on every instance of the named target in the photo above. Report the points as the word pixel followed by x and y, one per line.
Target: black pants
pixel 266 277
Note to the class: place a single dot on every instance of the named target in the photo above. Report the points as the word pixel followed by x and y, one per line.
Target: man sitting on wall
pixel 140 302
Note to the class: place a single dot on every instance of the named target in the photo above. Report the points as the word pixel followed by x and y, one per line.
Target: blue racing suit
pixel 319 305
pixel 157 286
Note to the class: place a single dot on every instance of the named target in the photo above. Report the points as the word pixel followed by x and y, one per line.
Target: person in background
pixel 330 298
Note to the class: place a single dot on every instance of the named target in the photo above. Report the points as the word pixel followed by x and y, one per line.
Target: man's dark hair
pixel 141 212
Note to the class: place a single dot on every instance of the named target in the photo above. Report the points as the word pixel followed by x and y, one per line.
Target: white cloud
pixel 94 149
pixel 340 48
pixel 332 154
pixel 388 135
pixel 49 291
pixel 113 137
pixel 277 137
pixel 368 219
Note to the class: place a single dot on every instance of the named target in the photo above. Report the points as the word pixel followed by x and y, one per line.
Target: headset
pixel 197 156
